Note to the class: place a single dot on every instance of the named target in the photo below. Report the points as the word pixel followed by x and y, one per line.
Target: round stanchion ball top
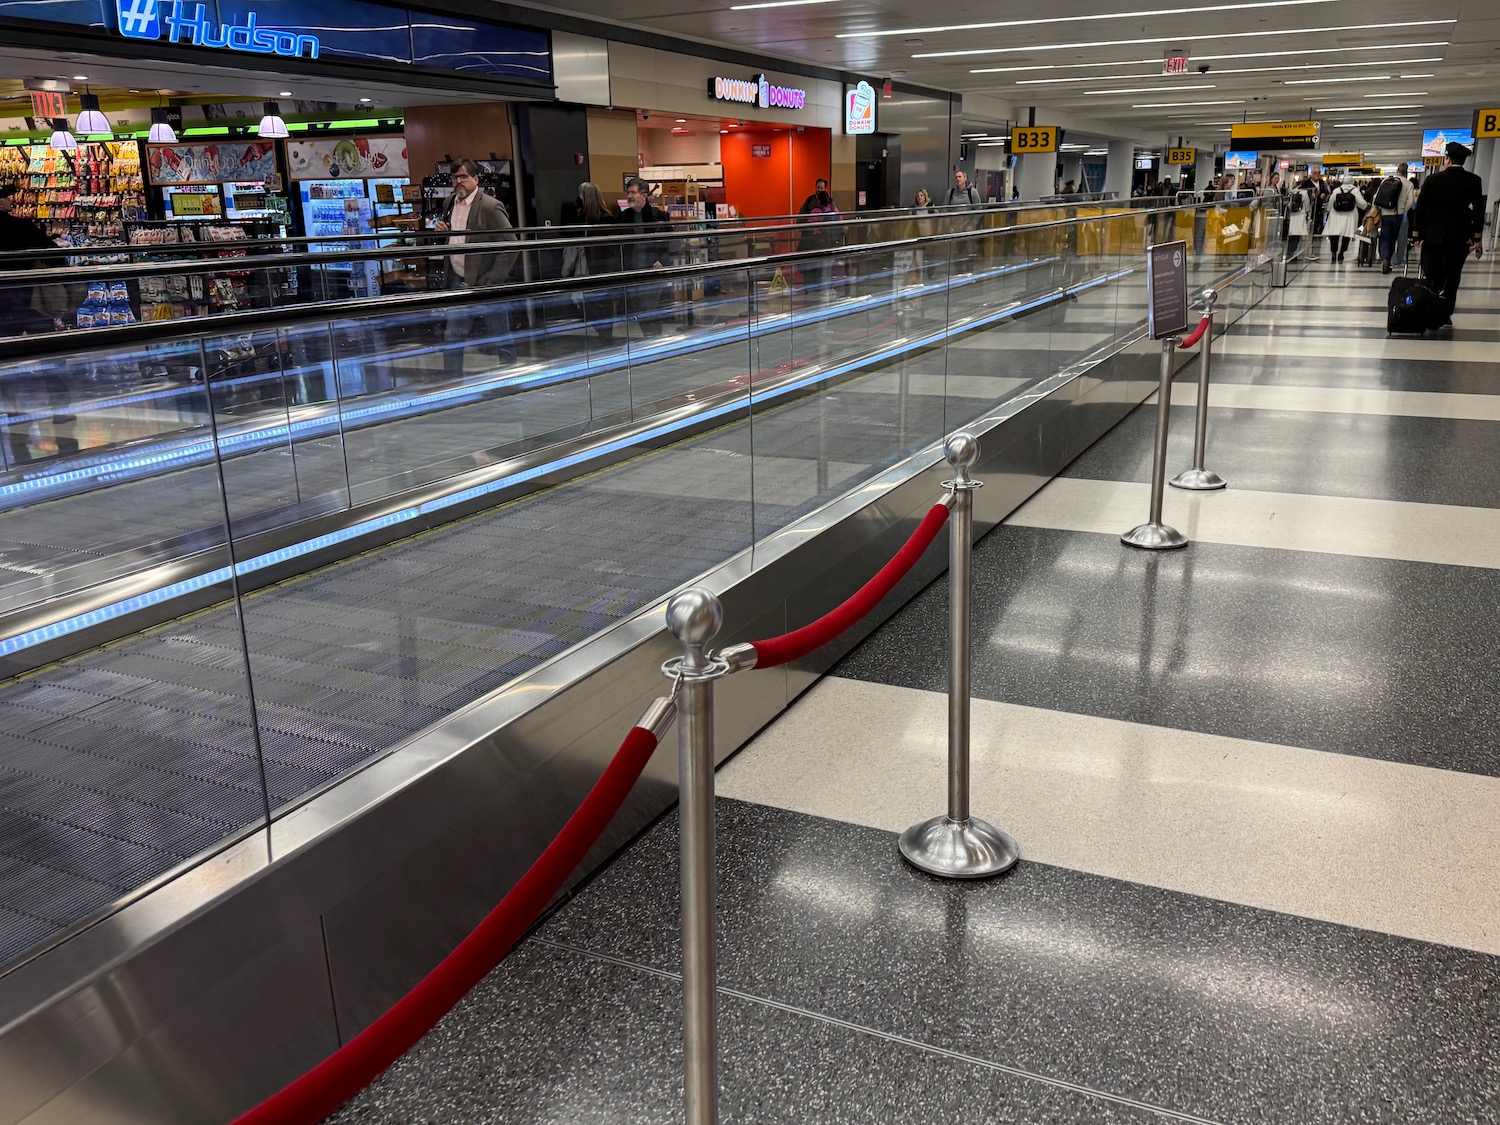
pixel 962 451
pixel 695 616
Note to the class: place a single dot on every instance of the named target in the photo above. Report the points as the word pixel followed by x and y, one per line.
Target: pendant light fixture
pixel 272 127
pixel 91 120
pixel 162 132
pixel 62 140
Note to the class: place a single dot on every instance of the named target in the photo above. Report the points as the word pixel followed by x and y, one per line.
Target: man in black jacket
pixel 641 217
pixel 1448 223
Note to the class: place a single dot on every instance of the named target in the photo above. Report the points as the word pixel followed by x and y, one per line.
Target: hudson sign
pixel 190 23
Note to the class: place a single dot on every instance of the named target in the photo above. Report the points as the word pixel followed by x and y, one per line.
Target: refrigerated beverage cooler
pixel 346 213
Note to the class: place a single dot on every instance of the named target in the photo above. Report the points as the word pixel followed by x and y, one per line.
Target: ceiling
pixel 1374 88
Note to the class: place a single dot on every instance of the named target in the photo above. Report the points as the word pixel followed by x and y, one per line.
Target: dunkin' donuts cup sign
pixel 859 110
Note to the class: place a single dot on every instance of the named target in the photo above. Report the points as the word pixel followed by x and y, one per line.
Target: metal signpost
pixel 1166 315
pixel 1198 478
pixel 959 845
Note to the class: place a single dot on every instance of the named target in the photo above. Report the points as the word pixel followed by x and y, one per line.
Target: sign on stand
pixel 1167 289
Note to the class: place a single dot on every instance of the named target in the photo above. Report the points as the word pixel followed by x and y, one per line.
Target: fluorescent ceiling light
pixel 1174 105
pixel 1148 90
pixel 777 4
pixel 1376 124
pixel 1365 108
pixel 1224 58
pixel 1070 19
pixel 1357 78
pixel 1267 33
pixel 1402 94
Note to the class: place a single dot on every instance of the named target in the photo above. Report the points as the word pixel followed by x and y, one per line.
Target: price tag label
pixel 1182 156
pixel 1033 138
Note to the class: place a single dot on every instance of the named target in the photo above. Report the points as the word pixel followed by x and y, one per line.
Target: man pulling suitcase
pixel 1448 223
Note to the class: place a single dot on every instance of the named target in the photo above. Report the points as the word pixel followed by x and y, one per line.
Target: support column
pixel 1120 170
pixel 1072 168
pixel 1036 175
pixel 1491 175
pixel 1203 170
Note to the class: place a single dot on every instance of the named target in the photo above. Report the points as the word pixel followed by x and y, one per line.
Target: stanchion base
pixel 1154 537
pixel 1198 480
pixel 969 849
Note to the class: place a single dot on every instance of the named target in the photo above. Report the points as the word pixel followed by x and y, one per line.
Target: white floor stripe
pixel 1399 849
pixel 1338 400
pixel 1339 525
pixel 1335 320
pixel 1360 350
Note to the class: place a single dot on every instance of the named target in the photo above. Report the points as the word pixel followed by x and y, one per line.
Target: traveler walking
pixel 1447 221
pixel 1395 197
pixel 962 193
pixel 472 210
pixel 18 303
pixel 597 218
pixel 816 210
pixel 1301 213
pixel 1345 202
pixel 641 216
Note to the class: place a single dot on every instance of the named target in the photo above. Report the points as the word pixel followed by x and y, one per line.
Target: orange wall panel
pixel 777 184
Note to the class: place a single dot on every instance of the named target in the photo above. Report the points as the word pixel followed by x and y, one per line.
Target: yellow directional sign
pixel 1342 158
pixel 1033 138
pixel 1274 135
pixel 1182 156
pixel 1486 123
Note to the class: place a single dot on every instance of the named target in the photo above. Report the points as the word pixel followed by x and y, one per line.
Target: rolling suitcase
pixel 1413 307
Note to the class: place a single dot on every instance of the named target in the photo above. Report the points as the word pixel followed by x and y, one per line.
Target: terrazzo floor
pixel 1254 783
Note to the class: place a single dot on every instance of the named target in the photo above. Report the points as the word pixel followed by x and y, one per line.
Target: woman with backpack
pixel 1302 204
pixel 1345 203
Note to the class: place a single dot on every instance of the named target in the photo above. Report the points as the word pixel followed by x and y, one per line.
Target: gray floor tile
pixel 1218 1011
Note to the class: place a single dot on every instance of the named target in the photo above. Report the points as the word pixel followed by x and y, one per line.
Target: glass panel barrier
pixel 136 456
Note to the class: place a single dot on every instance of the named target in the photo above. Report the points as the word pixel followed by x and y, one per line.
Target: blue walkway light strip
pixel 186 452
pixel 55 630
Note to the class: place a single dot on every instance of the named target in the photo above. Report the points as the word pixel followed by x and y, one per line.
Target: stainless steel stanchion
pixel 1153 534
pixel 1199 479
pixel 694 617
pixel 959 846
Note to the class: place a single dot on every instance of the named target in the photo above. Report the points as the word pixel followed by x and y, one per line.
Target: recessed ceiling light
pixel 80 78
pixel 1178 38
pixel 682 120
pixel 284 94
pixel 1077 19
pixel 723 131
pixel 364 100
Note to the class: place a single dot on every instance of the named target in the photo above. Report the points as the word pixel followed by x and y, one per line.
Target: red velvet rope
pixel 800 642
pixel 358 1062
pixel 1197 334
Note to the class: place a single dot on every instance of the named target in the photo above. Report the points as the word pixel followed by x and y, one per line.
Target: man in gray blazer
pixel 473 210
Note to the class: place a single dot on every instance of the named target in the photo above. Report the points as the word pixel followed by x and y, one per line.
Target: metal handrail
pixel 57 343
pixel 533 237
pixel 122 272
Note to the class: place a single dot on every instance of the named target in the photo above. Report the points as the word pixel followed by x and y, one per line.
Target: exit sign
pixel 1174 62
pixel 49 104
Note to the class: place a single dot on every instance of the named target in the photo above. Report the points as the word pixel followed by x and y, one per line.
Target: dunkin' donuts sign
pixel 757 92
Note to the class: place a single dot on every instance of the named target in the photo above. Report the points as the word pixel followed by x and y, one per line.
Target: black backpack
pixel 1297 203
pixel 1343 200
pixel 1389 194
